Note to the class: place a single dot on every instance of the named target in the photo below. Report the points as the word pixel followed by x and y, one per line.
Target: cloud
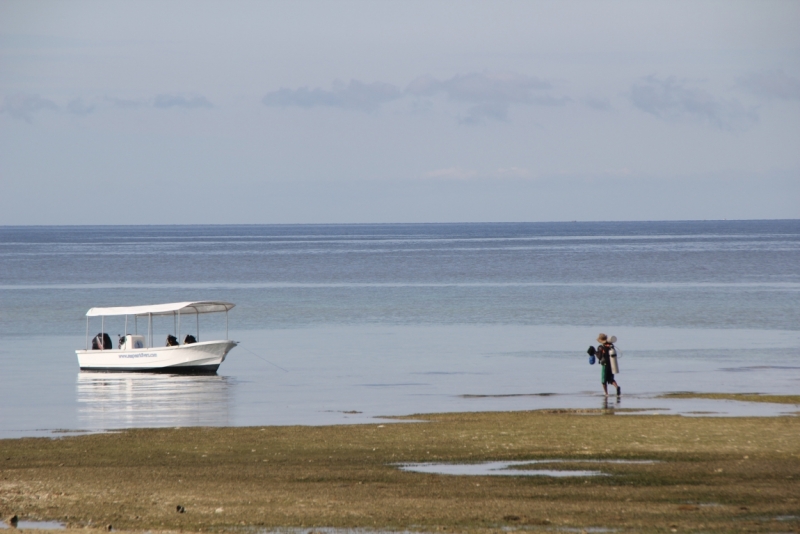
pixel 355 95
pixel 488 95
pixel 172 101
pixel 23 106
pixel 669 99
pixel 78 107
pixel 772 84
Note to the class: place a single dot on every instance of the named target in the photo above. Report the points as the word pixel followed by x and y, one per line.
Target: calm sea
pixel 342 323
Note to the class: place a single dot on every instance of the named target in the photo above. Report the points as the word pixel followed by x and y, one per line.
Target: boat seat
pixel 130 342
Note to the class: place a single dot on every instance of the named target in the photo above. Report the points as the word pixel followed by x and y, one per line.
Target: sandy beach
pixel 649 473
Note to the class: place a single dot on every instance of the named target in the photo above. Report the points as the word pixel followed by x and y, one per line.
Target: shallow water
pixel 35 525
pixel 337 374
pixel 341 324
pixel 504 468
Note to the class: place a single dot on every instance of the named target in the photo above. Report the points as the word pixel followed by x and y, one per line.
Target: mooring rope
pixel 264 359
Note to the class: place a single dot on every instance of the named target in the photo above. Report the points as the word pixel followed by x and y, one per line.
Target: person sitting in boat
pixel 101 341
pixel 172 341
pixel 189 339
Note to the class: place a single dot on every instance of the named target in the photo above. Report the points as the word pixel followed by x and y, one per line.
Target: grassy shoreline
pixel 711 474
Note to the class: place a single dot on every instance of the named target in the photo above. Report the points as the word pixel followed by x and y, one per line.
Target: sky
pixel 196 112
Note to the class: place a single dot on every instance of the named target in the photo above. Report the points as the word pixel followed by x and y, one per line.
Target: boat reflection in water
pixel 124 400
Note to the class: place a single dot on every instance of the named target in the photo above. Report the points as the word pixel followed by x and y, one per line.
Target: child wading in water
pixel 603 358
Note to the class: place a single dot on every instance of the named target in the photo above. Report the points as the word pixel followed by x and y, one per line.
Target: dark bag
pixel 189 339
pixel 591 352
pixel 602 354
pixel 172 341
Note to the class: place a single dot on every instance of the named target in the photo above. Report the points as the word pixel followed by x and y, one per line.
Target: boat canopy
pixel 202 306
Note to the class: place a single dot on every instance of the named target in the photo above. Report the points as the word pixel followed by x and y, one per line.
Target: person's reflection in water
pixel 614 404
pixel 119 400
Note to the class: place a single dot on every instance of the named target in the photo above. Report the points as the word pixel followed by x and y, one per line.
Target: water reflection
pixel 123 400
pixel 514 468
pixel 615 403
pixel 497 469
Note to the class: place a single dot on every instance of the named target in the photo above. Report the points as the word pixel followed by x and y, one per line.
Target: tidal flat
pixel 703 474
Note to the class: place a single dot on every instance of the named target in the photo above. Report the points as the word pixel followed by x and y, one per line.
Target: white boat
pixel 136 352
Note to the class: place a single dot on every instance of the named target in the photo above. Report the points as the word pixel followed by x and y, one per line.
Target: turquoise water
pixel 398 319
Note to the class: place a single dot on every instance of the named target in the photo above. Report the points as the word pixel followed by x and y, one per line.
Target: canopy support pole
pixel 150 329
pixel 126 325
pixel 87 332
pixel 198 326
pixel 174 324
pixel 226 324
pixel 178 335
pixel 102 331
pixel 136 324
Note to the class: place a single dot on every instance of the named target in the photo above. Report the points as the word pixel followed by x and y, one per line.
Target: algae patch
pixel 743 397
pixel 346 477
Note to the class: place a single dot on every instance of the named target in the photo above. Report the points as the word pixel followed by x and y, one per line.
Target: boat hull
pixel 202 357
